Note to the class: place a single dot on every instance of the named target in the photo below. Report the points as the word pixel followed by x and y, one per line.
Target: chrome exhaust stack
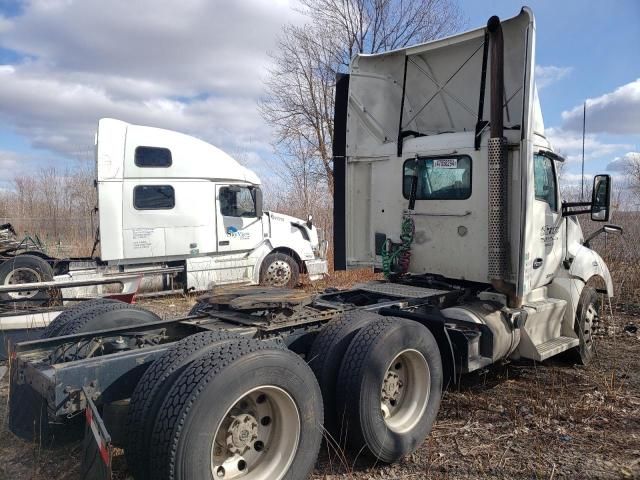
pixel 498 261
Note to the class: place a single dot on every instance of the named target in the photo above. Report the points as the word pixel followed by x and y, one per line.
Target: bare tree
pixel 299 100
pixel 57 205
pixel 632 170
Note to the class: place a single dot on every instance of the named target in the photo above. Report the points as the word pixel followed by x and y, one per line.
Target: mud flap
pixel 96 446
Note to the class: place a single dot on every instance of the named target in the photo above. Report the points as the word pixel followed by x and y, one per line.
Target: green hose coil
pixel 396 256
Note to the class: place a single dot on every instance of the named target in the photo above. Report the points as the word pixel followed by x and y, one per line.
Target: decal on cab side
pixel 233 232
pixel 548 233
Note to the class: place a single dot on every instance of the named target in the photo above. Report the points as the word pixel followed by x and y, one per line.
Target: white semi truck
pixel 165 197
pixel 459 207
pixel 169 202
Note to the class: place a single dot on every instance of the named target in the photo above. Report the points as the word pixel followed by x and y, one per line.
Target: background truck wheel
pixel 244 407
pixel 587 322
pixel 102 316
pixel 27 269
pixel 391 384
pixel 61 320
pixel 326 356
pixel 279 270
pixel 151 391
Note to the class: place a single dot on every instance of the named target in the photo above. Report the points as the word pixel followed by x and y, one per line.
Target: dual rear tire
pixel 231 407
pixel 381 379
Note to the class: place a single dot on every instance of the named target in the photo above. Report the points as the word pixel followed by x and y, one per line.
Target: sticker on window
pixel 445 163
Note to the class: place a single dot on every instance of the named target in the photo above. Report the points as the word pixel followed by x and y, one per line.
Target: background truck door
pixel 546 241
pixel 238 226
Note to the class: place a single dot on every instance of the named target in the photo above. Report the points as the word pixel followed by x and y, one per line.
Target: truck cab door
pixel 238 225
pixel 546 242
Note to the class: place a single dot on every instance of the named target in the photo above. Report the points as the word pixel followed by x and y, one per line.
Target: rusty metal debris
pixel 11 245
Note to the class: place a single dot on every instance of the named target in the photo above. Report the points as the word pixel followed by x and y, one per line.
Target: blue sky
pixel 64 64
pixel 595 47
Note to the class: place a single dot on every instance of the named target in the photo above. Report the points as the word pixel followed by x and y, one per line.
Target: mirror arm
pixel 592 236
pixel 598 232
pixel 567 208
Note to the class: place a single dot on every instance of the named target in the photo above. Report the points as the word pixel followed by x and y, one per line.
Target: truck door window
pixel 153 157
pixel 154 197
pixel 544 176
pixel 237 201
pixel 439 178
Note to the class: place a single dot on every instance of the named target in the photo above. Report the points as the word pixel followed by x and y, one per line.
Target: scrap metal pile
pixel 11 245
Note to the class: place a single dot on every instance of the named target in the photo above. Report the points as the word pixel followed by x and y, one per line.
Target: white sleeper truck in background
pixel 168 198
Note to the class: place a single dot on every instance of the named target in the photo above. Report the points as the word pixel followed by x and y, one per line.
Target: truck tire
pixel 28 417
pixel 391 379
pixel 587 319
pixel 152 389
pixel 61 320
pixel 27 269
pixel 198 308
pixel 325 357
pixel 279 270
pixel 107 315
pixel 245 406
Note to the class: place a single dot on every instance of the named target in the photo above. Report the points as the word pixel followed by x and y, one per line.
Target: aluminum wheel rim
pixel 278 273
pixel 405 390
pixel 591 318
pixel 18 277
pixel 258 436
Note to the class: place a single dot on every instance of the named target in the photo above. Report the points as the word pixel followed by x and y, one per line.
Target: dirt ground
pixel 517 420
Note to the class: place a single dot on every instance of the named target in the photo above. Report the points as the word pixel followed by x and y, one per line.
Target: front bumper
pixel 316 268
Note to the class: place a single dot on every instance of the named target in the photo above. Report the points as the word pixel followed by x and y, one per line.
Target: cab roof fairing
pixel 442 91
pixel 191 157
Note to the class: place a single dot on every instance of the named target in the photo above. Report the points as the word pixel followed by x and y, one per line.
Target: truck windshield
pixel 439 178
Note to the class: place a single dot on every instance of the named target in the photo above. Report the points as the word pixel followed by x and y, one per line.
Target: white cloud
pixel 5 25
pixel 195 66
pixel 569 180
pixel 616 112
pixel 620 164
pixel 189 46
pixel 569 144
pixel 9 162
pixel 548 74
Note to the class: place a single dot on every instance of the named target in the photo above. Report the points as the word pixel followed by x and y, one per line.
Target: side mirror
pixel 309 221
pixel 606 229
pixel 601 198
pixel 617 229
pixel 258 199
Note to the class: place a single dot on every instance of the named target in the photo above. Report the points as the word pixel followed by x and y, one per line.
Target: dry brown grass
pixel 622 254
pixel 56 206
